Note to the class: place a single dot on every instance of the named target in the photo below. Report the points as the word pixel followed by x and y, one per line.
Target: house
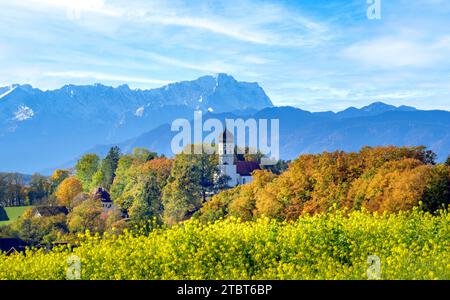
pixel 239 172
pixel 49 211
pixel 12 245
pixel 102 195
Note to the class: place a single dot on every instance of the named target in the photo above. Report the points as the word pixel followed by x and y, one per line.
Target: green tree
pixel 121 179
pixel 143 188
pixel 85 168
pixel 447 162
pixel 143 155
pixel 39 230
pixel 437 193
pixel 193 178
pixel 105 175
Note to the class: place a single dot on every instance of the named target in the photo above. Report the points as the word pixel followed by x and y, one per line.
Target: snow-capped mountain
pixel 44 128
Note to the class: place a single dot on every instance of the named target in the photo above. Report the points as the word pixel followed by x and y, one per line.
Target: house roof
pixel 48 211
pixel 102 195
pixel 226 137
pixel 245 168
pixel 6 244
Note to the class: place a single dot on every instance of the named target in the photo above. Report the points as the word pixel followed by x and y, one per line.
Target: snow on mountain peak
pixel 11 89
pixel 140 111
pixel 23 113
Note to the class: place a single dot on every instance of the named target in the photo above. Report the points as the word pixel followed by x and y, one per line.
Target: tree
pixel 104 177
pixel 12 192
pixel 437 193
pixel 85 168
pixel 143 155
pixel 278 168
pixel 87 216
pixel 68 190
pixel 121 179
pixel 143 188
pixel 39 230
pixel 39 190
pixel 447 162
pixel 57 177
pixel 192 179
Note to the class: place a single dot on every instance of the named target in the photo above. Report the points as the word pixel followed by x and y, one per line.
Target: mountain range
pixel 42 130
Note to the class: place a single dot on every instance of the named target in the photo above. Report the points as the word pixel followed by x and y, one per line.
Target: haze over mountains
pixel 41 130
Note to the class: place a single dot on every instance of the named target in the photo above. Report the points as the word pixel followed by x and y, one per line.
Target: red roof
pixel 245 168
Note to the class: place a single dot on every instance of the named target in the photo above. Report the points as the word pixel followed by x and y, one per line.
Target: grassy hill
pixel 10 214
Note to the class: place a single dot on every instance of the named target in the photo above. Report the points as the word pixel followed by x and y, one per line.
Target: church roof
pixel 226 136
pixel 102 195
pixel 49 211
pixel 246 168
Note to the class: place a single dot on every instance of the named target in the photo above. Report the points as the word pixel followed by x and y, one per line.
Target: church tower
pixel 226 148
pixel 226 157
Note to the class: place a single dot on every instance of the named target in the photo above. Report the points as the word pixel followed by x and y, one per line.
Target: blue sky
pixel 313 54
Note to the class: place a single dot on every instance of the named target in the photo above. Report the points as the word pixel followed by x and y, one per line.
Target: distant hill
pixel 373 109
pixel 26 178
pixel 305 132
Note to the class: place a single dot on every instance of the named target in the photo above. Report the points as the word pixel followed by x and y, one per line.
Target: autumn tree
pixel 57 177
pixel 87 216
pixel 68 190
pixel 385 179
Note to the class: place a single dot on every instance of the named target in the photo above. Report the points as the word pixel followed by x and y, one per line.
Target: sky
pixel 313 54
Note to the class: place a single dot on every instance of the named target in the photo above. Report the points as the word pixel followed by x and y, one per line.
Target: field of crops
pixel 410 245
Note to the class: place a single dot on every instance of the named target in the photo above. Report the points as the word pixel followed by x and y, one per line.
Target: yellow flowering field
pixel 409 245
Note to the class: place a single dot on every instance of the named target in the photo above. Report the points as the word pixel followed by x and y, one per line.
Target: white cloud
pixel 395 52
pixel 210 67
pixel 267 24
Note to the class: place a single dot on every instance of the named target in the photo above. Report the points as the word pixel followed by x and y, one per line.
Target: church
pixel 239 172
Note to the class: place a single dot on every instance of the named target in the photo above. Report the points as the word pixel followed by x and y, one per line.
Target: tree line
pixel 151 190
pixel 16 191
pixel 377 179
